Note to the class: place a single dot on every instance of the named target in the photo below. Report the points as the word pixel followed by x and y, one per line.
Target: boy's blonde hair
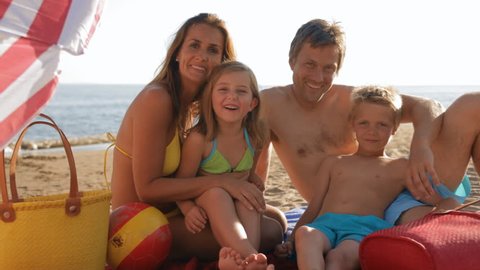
pixel 387 96
pixel 207 123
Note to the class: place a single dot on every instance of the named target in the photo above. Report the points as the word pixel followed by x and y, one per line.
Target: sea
pixel 85 110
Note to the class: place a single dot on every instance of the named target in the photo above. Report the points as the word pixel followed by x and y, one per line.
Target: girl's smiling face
pixel 232 97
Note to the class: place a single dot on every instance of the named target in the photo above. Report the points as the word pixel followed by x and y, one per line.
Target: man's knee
pixel 466 105
pixel 476 154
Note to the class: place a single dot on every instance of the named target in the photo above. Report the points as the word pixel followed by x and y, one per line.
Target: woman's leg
pixel 186 245
pixel 277 214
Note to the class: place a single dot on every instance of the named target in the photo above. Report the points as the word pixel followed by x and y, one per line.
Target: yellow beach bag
pixel 54 232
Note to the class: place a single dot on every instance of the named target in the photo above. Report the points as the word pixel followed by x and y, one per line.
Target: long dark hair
pixel 168 74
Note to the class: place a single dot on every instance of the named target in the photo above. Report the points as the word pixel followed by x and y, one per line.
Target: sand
pixel 47 172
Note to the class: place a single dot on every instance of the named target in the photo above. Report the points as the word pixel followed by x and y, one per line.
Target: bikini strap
pixel 214 148
pixel 247 139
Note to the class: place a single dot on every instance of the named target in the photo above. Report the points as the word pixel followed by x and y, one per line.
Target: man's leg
pixel 476 154
pixel 458 140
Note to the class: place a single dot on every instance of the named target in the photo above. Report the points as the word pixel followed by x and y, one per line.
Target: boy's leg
pixel 343 256
pixel 414 214
pixel 310 245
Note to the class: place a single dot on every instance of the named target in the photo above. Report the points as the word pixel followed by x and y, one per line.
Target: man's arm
pixel 425 115
pixel 263 162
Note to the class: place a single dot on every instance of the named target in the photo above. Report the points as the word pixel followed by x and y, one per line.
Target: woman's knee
pixel 271 234
pixel 278 215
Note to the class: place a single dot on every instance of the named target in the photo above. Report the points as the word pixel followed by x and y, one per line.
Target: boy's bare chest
pixel 377 179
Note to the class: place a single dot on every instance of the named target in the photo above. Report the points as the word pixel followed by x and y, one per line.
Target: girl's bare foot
pixel 229 259
pixel 257 262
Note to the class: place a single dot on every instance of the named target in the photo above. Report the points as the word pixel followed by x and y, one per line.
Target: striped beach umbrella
pixel 32 36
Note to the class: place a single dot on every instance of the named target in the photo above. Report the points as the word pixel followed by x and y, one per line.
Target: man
pixel 308 121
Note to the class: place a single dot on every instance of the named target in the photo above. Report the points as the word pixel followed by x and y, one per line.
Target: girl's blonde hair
pixel 207 123
pixel 387 96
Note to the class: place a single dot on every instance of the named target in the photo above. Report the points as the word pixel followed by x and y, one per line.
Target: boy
pixel 354 190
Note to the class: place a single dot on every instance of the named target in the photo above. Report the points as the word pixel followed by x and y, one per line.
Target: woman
pixel 147 151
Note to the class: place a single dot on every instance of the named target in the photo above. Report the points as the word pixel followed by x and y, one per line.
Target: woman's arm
pixel 192 151
pixel 152 121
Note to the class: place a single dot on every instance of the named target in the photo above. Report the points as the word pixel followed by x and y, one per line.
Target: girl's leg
pixel 343 256
pixel 251 222
pixel 310 245
pixel 224 221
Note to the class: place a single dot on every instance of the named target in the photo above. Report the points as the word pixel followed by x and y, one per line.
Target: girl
pixel 225 140
pixel 148 146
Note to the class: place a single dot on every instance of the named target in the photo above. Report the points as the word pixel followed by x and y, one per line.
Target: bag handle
pixel 72 204
pixel 6 208
pixel 466 205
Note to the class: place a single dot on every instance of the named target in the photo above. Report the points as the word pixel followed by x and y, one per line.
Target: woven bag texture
pixel 438 241
pixel 53 232
pixel 44 237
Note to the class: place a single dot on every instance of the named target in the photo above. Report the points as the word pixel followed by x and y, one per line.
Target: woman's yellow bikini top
pixel 172 155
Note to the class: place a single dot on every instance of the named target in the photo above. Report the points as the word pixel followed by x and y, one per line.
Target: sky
pixel 408 42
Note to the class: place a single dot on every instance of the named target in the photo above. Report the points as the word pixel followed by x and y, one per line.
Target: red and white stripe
pixel 32 35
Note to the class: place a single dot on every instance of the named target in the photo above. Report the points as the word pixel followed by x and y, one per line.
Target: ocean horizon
pixel 91 110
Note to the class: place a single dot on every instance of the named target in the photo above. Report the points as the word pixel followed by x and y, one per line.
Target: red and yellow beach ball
pixel 139 237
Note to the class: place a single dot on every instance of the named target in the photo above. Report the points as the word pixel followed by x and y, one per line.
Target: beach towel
pixel 280 263
pixel 293 216
pixel 195 264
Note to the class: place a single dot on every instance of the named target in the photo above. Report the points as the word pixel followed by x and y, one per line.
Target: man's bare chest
pixel 307 135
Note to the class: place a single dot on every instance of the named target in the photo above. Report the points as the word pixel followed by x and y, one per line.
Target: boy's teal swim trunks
pixel 405 200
